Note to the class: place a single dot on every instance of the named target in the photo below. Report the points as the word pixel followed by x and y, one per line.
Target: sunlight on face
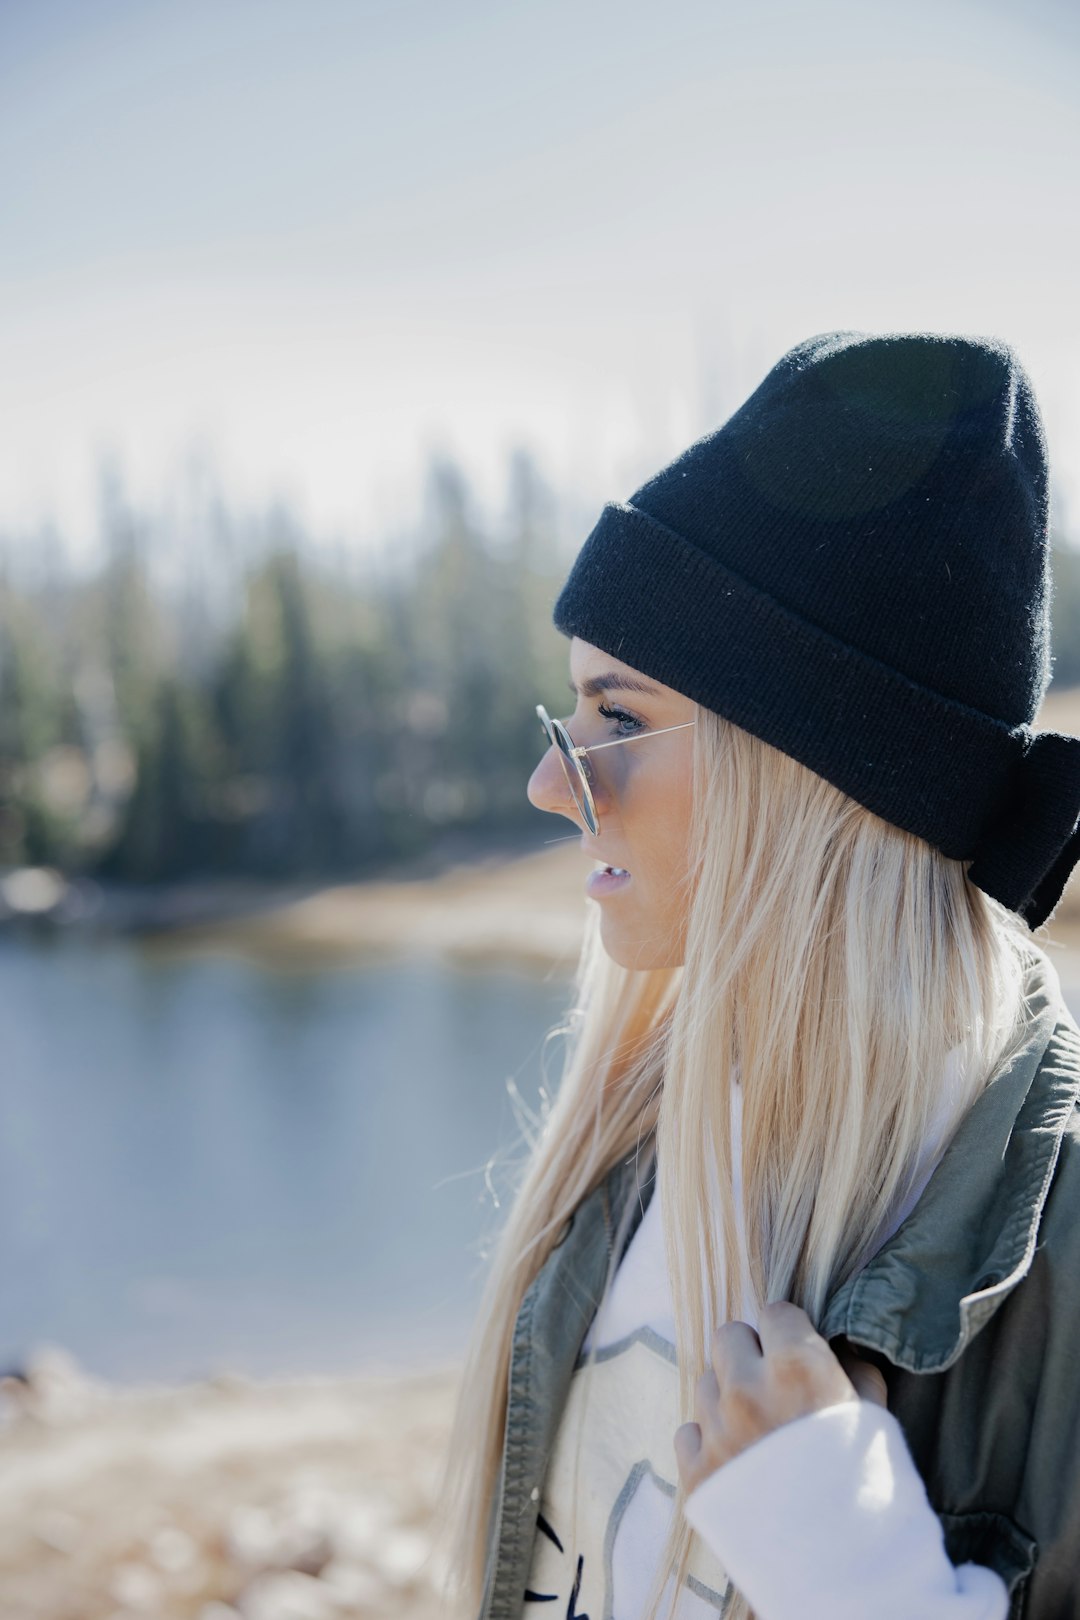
pixel 642 794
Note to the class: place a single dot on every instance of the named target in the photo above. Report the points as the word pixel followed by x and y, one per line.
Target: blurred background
pixel 326 331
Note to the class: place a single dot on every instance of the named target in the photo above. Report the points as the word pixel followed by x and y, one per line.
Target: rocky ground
pixel 225 1500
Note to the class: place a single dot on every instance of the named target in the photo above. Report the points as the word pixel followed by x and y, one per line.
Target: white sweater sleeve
pixel 827 1518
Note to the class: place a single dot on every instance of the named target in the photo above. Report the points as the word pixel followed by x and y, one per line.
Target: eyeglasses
pixel 574 759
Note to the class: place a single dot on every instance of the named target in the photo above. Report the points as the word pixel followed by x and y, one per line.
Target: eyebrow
pixel 611 682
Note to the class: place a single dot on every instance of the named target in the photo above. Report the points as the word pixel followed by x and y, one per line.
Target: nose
pixel 548 789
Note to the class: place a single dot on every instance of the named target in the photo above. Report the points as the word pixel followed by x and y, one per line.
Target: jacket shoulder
pixel 1060 1224
pixel 1059 1077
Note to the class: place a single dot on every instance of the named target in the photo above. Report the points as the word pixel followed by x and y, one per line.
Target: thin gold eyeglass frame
pixel 572 757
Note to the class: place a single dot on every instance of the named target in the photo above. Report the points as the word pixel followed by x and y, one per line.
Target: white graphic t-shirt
pixel 600 1536
pixel 596 1548
pixel 605 1507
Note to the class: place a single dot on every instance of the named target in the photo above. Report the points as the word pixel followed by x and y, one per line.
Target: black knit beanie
pixel 855 568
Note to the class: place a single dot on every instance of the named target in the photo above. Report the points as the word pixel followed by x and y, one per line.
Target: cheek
pixel 655 827
pixel 668 841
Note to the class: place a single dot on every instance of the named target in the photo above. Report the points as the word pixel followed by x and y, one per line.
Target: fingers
pixel 760 1380
pixel 693 1461
pixel 787 1363
pixel 796 1351
pixel 783 1326
pixel 869 1381
pixel 735 1352
pixel 687 1446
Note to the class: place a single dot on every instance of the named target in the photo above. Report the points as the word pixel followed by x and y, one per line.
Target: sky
pixel 312 244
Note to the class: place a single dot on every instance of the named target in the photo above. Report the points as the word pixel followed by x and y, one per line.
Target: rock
pixel 287 1595
pixel 251 1536
pixel 354 1586
pixel 401 1556
pixel 312 1503
pixel 32 890
pixel 173 1550
pixel 258 1539
pixel 57 1389
pixel 307 1549
pixel 360 1528
pixel 136 1587
pixel 58 1529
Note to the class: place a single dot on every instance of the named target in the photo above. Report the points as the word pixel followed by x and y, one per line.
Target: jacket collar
pixel 971 1236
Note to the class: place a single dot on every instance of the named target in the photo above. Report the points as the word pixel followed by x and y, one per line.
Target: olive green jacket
pixel 971 1309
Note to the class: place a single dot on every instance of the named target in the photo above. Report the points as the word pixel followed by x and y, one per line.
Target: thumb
pixel 869 1381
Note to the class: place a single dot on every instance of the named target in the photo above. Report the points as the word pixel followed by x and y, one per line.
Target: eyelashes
pixel 621 715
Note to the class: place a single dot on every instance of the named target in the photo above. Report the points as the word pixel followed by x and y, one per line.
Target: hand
pixel 759 1381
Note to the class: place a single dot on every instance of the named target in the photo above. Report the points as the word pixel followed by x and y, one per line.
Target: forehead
pixel 593 671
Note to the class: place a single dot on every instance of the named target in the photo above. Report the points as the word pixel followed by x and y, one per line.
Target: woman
pixel 785 1309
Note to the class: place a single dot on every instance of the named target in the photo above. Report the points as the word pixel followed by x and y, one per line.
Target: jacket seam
pixel 516 1475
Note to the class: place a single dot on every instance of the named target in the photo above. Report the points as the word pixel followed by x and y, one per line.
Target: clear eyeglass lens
pixel 571 772
pixel 573 776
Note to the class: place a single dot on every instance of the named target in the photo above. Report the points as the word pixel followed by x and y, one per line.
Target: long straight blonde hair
pixel 832 963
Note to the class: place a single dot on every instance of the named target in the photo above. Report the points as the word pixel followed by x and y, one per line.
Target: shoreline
pixel 523 910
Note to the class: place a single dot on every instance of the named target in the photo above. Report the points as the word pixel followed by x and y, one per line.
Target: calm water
pixel 208 1164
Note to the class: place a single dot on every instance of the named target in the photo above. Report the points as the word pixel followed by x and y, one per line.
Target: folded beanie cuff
pixel 1010 799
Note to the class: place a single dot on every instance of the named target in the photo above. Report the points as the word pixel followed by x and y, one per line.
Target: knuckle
pixel 795 1372
pixel 741 1404
pixel 777 1309
pixel 789 1359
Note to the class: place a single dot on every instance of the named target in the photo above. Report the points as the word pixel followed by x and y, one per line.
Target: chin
pixel 639 956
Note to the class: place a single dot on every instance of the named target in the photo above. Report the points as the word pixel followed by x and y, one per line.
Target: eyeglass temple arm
pixel 639 738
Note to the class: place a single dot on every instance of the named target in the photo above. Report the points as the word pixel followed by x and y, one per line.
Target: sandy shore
pixel 306 1499
pixel 528 910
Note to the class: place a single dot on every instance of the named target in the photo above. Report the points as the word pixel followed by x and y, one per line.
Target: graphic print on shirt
pixel 594 1558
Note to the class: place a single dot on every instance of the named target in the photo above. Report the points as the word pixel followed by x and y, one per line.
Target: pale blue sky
pixel 324 238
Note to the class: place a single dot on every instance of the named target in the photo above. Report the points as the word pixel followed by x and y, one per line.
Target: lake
pixel 209 1165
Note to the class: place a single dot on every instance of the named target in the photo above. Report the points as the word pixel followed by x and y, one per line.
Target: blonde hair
pixel 835 962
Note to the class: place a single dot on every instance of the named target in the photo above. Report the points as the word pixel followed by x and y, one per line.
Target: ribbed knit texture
pixel 855 567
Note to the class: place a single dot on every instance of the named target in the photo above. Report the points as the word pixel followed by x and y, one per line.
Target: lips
pixel 611 866
pixel 607 866
pixel 602 882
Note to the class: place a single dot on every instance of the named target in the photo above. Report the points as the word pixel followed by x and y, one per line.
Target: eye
pixel 621 717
